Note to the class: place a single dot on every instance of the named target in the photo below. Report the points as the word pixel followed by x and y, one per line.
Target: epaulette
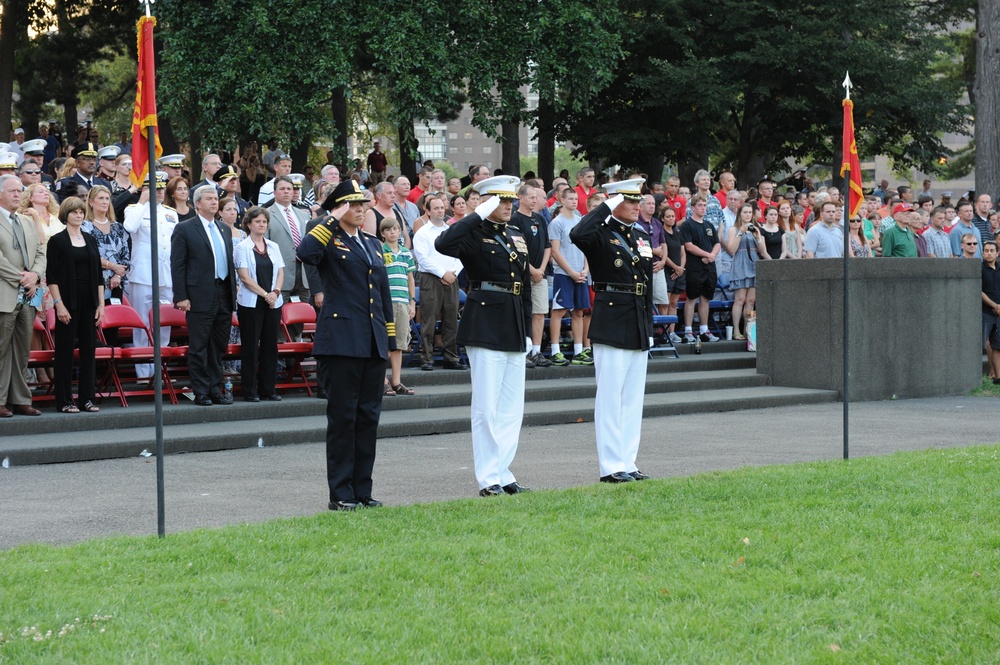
pixel 168 207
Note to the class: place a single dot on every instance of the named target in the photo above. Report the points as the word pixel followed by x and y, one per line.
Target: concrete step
pixel 232 432
pixel 438 388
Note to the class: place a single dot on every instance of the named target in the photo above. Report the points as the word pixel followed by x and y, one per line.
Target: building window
pixel 468 135
pixel 452 150
pixel 452 135
pixel 487 150
pixel 468 150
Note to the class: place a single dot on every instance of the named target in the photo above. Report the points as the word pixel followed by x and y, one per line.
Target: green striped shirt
pixel 399 265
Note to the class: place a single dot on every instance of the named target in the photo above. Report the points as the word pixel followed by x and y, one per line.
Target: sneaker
pixel 540 360
pixel 689 338
pixel 708 337
pixel 529 362
pixel 583 358
pixel 559 360
pixel 675 338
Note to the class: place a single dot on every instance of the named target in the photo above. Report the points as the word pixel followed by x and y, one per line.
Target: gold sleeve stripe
pixel 391 329
pixel 322 234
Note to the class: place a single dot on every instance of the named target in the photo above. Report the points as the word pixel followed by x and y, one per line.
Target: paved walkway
pixel 67 503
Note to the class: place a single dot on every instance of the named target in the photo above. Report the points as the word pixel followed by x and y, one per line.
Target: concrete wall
pixel 915 326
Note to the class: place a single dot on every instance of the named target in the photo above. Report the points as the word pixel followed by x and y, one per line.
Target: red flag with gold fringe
pixel 144 112
pixel 851 162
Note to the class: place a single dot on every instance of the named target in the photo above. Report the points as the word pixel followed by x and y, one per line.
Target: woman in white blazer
pixel 258 300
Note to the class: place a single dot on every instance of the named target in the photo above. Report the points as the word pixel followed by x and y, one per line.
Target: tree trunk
pixel 194 143
pixel 167 137
pixel 546 142
pixel 300 154
pixel 686 171
pixel 408 146
pixel 653 169
pixel 987 133
pixel 11 30
pixel 338 107
pixel 510 157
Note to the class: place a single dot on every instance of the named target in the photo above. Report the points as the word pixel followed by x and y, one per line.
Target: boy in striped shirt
pixel 400 267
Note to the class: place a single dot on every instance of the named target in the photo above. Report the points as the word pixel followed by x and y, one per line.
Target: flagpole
pixel 149 79
pixel 847 282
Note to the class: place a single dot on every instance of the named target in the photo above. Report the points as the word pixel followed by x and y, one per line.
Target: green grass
pixel 986 388
pixel 888 560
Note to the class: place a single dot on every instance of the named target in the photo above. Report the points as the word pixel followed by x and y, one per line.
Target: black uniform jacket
pixel 621 320
pixel 493 318
pixel 357 309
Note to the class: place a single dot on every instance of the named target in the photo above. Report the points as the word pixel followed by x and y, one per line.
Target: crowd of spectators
pixel 707 237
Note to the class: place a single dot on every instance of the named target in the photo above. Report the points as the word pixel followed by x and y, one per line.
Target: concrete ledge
pixel 915 326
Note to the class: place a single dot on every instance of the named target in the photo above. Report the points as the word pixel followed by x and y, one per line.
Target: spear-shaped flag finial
pixel 847 85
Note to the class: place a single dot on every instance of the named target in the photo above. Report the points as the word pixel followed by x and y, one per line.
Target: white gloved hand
pixel 615 201
pixel 527 342
pixel 486 208
pixel 650 342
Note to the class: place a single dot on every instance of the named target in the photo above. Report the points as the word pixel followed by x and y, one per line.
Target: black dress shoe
pixel 369 502
pixel 638 475
pixel 617 477
pixel 203 400
pixel 427 367
pixel 492 490
pixel 221 399
pixel 343 505
pixel 272 398
pixel 320 394
pixel 515 488
pixel 250 398
pixel 450 365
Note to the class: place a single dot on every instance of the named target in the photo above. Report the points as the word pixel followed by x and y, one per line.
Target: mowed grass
pixel 888 560
pixel 986 388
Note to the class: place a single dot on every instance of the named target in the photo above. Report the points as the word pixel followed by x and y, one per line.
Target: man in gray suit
pixel 22 264
pixel 287 227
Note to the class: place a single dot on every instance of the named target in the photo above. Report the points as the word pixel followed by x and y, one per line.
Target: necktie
pixel 15 222
pixel 364 250
pixel 294 227
pixel 221 269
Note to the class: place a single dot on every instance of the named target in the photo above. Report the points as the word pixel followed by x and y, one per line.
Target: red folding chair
pixel 120 317
pixel 42 359
pixel 295 353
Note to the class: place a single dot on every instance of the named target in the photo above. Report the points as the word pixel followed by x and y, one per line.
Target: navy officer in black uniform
pixel 620 256
pixel 354 334
pixel 85 155
pixel 495 327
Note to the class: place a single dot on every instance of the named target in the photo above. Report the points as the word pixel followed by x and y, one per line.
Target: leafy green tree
pixel 755 83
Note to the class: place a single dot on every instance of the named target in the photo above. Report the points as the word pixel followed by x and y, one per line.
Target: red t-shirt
pixel 582 196
pixel 762 207
pixel 721 196
pixel 415 194
pixel 680 206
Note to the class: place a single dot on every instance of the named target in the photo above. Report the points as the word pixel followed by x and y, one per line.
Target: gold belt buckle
pixel 517 288
pixel 513 256
pixel 640 289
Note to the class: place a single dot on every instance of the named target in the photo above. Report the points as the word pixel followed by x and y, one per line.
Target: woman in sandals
pixel 77 285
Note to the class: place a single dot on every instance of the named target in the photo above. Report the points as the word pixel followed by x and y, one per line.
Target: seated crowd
pixel 706 240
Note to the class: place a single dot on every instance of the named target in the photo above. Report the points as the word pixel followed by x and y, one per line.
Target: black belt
pixel 220 282
pixel 632 289
pixel 503 287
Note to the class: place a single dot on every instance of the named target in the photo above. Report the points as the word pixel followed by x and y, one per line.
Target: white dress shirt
pixel 428 259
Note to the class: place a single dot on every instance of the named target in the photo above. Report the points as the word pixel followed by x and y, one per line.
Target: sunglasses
pixel 32 172
pixel 973 244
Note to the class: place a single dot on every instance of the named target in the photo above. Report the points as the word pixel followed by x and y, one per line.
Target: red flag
pixel 851 162
pixel 144 112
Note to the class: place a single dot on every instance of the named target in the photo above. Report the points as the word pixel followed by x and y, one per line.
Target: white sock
pixel 555 349
pixel 687 330
pixel 536 349
pixel 703 329
pixel 577 349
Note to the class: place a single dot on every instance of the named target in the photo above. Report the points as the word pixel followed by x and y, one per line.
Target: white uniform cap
pixel 504 186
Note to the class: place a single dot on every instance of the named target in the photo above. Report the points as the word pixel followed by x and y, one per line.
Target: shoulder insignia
pixel 169 208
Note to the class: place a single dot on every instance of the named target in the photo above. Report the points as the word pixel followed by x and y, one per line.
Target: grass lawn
pixel 986 389
pixel 878 560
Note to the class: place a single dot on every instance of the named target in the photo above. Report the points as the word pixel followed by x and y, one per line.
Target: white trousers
pixel 621 386
pixel 141 297
pixel 497 411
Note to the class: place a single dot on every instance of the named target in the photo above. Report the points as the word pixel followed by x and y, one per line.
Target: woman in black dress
pixel 772 233
pixel 74 277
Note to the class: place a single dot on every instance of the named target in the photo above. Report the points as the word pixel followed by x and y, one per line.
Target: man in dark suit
pixel 210 165
pixel 201 264
pixel 350 349
pixel 287 227
pixel 85 155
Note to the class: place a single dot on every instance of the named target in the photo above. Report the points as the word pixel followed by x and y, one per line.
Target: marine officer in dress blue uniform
pixel 354 334
pixel 620 256
pixel 495 328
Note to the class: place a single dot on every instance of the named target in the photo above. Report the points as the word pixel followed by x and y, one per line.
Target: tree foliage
pixel 756 82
